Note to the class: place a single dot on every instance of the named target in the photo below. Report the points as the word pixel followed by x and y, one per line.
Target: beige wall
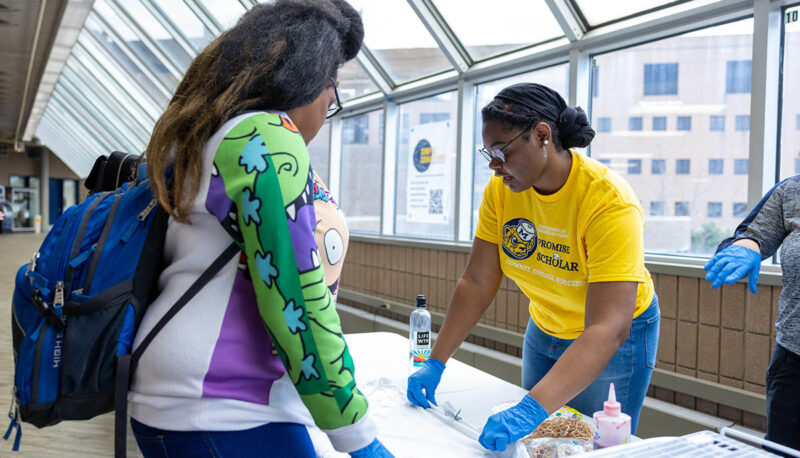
pixel 725 336
pixel 20 164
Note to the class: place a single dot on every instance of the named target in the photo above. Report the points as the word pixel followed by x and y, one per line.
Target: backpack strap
pixel 126 364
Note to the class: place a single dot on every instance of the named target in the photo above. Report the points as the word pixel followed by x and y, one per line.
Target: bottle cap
pixel 612 407
pixel 421 301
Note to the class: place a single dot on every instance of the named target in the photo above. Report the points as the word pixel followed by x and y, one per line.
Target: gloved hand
pixel 512 424
pixel 731 264
pixel 428 377
pixel 374 450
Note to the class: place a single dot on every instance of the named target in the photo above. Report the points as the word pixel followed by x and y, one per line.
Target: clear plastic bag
pixel 548 447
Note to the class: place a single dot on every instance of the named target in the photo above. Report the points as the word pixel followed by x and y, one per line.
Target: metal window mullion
pixel 375 70
pixel 764 103
pixel 566 17
pixel 465 160
pixel 79 112
pixel 441 32
pixel 151 44
pixel 247 4
pixel 103 120
pixel 119 103
pixel 580 82
pixel 96 67
pixel 335 158
pixel 205 17
pixel 389 167
pixel 131 55
pixel 163 19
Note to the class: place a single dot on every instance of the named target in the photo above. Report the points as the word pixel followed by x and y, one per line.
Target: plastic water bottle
pixel 419 335
pixel 611 426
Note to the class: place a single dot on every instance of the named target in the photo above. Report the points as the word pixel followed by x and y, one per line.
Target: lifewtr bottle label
pixel 422 347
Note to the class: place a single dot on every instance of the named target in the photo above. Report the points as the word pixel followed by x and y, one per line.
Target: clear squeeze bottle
pixel 419 335
pixel 611 426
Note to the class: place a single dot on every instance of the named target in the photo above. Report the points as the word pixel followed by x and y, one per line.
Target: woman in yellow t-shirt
pixel 569 233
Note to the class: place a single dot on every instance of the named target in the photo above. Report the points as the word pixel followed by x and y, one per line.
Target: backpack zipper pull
pixel 13 414
pixel 58 297
pixel 148 209
pixel 32 265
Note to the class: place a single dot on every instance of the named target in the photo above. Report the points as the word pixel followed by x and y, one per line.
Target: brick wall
pixel 725 335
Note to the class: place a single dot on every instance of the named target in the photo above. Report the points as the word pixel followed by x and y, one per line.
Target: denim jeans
pixel 629 369
pixel 783 398
pixel 269 440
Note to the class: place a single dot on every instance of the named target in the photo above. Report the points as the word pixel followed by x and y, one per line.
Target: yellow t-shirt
pixel 553 246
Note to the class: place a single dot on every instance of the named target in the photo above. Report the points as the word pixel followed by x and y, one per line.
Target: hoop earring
pixel 545 148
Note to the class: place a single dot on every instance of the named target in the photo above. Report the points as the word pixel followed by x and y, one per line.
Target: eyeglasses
pixel 336 107
pixel 498 154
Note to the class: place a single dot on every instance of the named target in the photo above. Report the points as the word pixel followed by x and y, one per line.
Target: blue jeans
pixel 629 369
pixel 269 440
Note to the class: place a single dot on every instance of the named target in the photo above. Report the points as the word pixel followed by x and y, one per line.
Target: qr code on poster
pixel 435 206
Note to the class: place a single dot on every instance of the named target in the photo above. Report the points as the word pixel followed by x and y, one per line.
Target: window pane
pixel 155 31
pixel 682 166
pixel 659 166
pixel 399 40
pixel 319 151
pixel 469 20
pixel 226 12
pixel 657 208
pixel 556 78
pixel 739 209
pixel 134 41
pixel 715 166
pixel 597 12
pixel 360 198
pixel 717 123
pixel 635 166
pixel 185 21
pixel 740 166
pixel 603 125
pixel 737 76
pixel 123 59
pixel 426 167
pixel 354 81
pixel 714 209
pixel 742 123
pixel 790 118
pixel 699 61
pixel 661 79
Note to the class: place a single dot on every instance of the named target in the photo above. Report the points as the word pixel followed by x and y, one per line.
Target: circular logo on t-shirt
pixel 519 238
pixel 423 153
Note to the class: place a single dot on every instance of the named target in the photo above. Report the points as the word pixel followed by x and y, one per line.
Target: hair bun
pixel 574 129
pixel 352 31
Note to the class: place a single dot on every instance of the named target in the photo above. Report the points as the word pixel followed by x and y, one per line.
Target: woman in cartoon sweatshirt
pixel 259 353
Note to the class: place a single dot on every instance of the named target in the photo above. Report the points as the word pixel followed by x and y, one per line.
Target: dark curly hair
pixel 524 104
pixel 279 55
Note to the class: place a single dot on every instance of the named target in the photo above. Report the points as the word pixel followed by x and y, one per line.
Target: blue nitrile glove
pixel 731 264
pixel 374 450
pixel 428 377
pixel 512 424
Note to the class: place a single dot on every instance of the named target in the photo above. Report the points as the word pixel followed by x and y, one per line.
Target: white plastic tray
pixel 696 445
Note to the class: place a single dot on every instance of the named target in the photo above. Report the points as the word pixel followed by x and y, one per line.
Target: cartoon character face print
pixel 519 238
pixel 331 234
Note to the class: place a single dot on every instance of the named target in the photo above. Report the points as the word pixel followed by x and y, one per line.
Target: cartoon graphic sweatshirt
pixel 261 342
